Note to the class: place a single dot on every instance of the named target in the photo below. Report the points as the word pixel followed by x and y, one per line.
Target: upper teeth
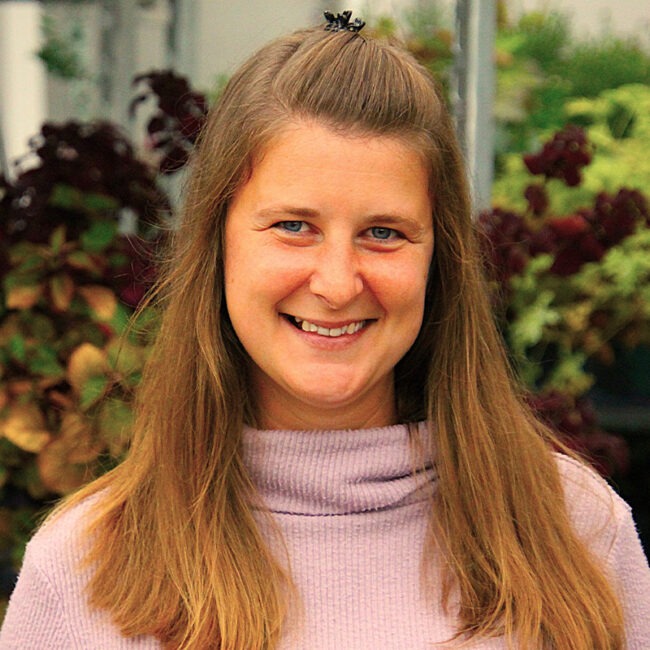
pixel 350 328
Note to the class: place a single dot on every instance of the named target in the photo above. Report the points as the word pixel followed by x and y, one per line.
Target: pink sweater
pixel 354 519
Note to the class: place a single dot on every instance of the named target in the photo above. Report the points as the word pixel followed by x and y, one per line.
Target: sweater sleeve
pixel 49 608
pixel 35 618
pixel 631 574
pixel 604 522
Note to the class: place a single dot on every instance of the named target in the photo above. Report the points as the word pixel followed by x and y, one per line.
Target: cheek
pixel 262 274
pixel 403 286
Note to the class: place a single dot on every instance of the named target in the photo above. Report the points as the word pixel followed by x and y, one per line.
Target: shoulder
pixel 595 509
pixel 48 607
pixel 61 540
pixel 586 491
pixel 603 520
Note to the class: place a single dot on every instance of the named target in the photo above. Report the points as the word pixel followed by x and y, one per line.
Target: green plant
pixel 427 32
pixel 70 280
pixel 572 286
pixel 60 49
pixel 542 67
pixel 617 124
pixel 73 272
pixel 597 65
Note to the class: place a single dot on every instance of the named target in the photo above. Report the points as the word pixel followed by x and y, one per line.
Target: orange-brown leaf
pixel 23 297
pixel 83 445
pixel 61 291
pixel 86 362
pixel 57 473
pixel 19 387
pixel 125 357
pixel 59 399
pixel 101 300
pixel 84 262
pixel 24 426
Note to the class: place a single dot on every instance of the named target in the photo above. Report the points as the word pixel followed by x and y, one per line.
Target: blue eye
pixel 379 232
pixel 291 226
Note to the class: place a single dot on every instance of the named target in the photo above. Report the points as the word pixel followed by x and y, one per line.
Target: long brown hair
pixel 175 520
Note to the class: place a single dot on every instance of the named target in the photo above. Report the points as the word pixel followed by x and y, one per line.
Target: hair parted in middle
pixel 176 521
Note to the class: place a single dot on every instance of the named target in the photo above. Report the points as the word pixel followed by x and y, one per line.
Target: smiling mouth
pixel 334 332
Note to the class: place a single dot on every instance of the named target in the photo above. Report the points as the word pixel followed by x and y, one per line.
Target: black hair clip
pixel 341 22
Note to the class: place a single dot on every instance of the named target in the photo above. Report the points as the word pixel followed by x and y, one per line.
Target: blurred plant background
pixel 567 244
pixel 80 224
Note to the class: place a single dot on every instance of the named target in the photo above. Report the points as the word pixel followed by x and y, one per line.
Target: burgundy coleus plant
pixel 177 120
pixel 85 178
pixel 562 157
pixel 587 235
pixel 573 418
pixel 584 236
pixel 512 239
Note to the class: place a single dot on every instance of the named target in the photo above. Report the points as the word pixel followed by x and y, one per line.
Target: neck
pixel 274 411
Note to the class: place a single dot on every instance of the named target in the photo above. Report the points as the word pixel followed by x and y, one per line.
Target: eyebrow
pixel 289 210
pixel 309 213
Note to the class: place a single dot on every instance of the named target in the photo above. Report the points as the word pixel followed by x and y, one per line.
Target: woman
pixel 329 452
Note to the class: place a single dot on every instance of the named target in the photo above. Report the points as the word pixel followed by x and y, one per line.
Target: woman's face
pixel 327 251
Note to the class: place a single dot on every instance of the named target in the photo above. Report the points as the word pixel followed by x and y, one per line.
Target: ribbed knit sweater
pixel 354 518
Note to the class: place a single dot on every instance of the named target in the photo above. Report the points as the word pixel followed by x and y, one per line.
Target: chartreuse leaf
pixel 17 347
pixel 88 374
pixel 99 236
pixel 529 327
pixel 115 422
pixel 569 375
pixel 61 291
pixel 92 391
pixel 44 362
pixel 57 239
pixel 121 318
pixel 125 357
pixel 31 264
pixel 84 262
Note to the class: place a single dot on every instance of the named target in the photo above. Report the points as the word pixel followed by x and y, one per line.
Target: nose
pixel 336 277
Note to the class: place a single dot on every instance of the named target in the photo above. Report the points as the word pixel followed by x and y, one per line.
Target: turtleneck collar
pixel 338 472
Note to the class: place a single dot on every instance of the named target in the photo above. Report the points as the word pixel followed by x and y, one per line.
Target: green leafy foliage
pixel 571 262
pixel 542 66
pixel 72 348
pixel 60 50
pixel 579 316
pixel 597 65
pixel 617 124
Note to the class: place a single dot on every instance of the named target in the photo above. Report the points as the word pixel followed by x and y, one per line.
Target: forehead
pixel 310 132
